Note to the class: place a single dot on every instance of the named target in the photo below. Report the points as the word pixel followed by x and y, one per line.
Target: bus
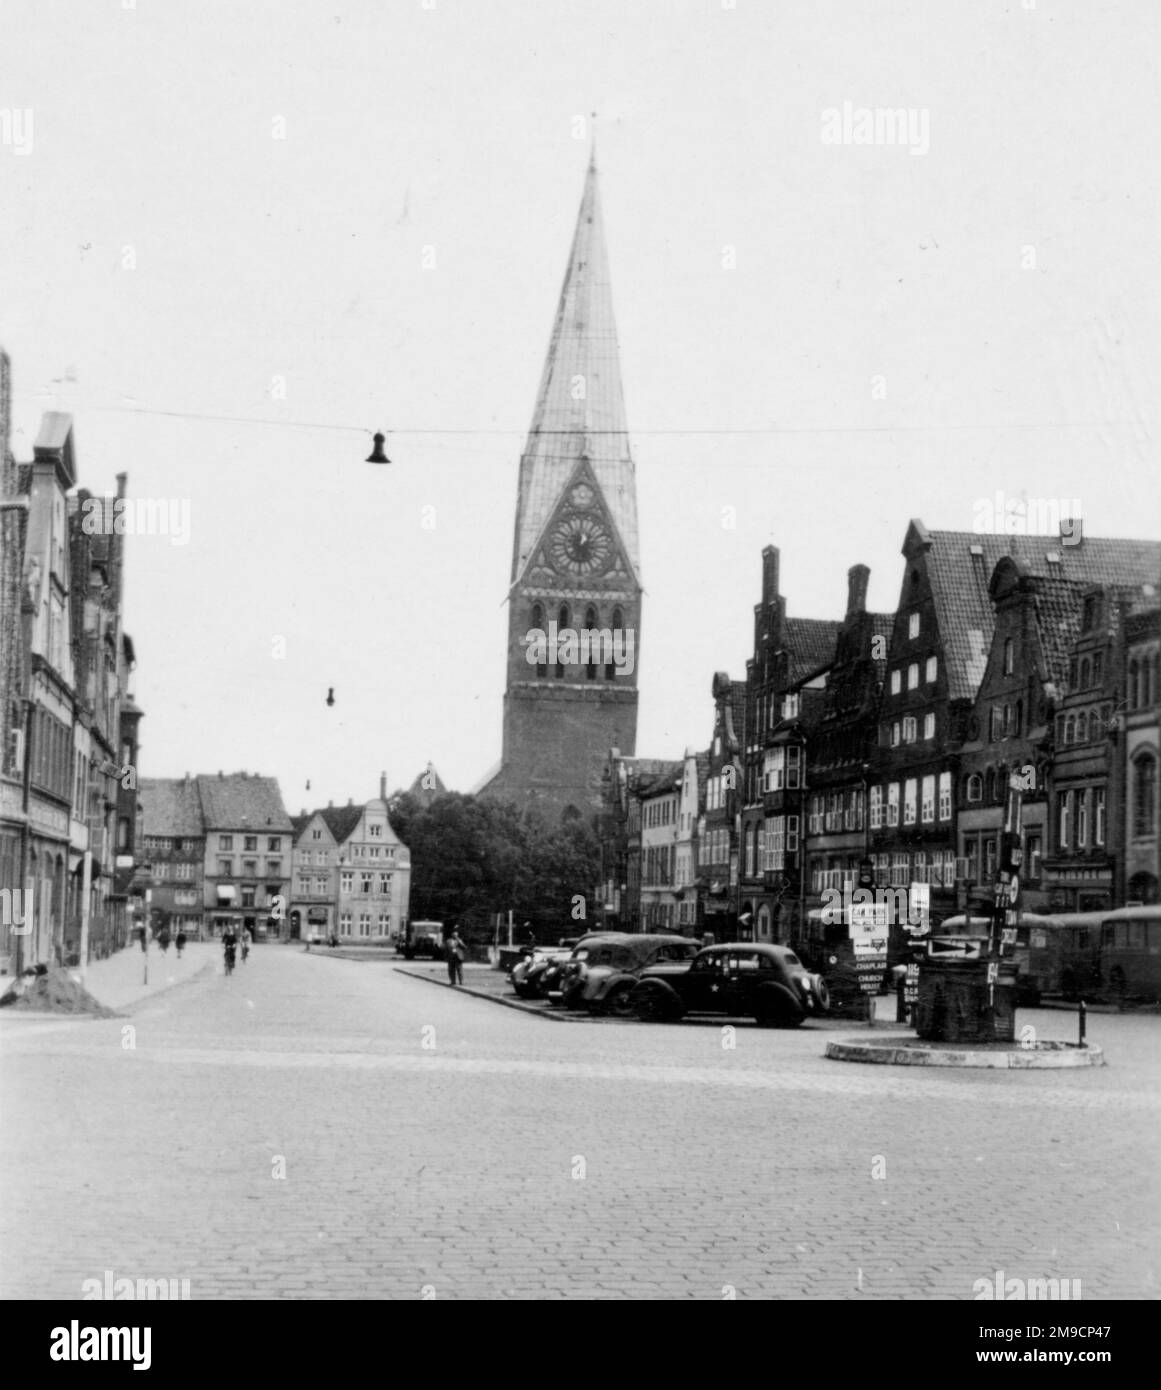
pixel 1130 954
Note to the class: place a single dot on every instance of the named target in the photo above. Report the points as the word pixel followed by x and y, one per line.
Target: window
pixel 345 919
pixel 250 867
pixel 1009 656
pixel 945 796
pixel 909 790
pixel 876 808
pixel 782 768
pixel 225 868
pixel 1098 816
pixel 375 831
pixel 225 842
pixel 900 870
pixel 274 868
pixel 913 676
pixel 893 804
pixel 749 851
pixel 913 626
pixel 248 896
pixel 1145 795
pixel 1035 848
pixel 249 843
pixel 896 682
pixel 814 825
pixel 385 884
pixel 1082 819
pixel 895 734
pixel 932 668
pixel 928 806
pixel 274 844
pixel 790 706
pixel 1085 677
pixel 974 789
pixel 320 885
pixel 384 924
pixel 1064 819
pixel 364 924
pixel 347 881
pixel 373 851
pixel 161 870
pixel 929 726
pixel 972 853
pixel 1070 729
pixel 910 728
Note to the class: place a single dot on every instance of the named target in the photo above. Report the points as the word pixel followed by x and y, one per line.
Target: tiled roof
pixel 670 774
pixel 564 429
pixel 811 644
pixel 960 565
pixel 170 806
pixel 882 625
pixel 341 820
pixel 241 800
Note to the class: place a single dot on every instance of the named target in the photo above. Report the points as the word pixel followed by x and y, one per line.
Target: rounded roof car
pixel 603 970
pixel 735 978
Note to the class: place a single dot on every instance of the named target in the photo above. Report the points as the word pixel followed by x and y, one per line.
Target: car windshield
pixel 791 959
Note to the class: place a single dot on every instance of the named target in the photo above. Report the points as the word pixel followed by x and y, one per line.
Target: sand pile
pixel 57 992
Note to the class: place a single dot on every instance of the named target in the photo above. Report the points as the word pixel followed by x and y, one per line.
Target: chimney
pixel 350 800
pixel 858 577
pixel 330 805
pixel 769 575
pixel 382 786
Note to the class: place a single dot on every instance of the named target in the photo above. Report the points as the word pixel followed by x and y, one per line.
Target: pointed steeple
pixel 580 409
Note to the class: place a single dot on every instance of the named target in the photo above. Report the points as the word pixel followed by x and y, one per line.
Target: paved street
pixel 434 1144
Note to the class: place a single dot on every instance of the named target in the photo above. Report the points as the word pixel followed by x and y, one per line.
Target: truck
pixel 420 939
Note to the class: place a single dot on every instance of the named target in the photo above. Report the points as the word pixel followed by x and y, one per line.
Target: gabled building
pixel 1138 732
pixel 719 838
pixel 248 848
pixel 352 873
pixel 843 746
pixel 659 797
pixel 690 842
pixel 784 681
pixel 173 853
pixel 619 831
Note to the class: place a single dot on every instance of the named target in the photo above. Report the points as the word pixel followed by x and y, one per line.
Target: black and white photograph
pixel 580 666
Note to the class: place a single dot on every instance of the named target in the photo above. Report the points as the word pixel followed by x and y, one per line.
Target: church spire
pixel 580 408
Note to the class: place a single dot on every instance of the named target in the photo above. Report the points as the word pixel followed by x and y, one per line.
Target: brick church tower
pixel 575 560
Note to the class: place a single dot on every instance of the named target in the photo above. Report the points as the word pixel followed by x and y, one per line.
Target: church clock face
pixel 582 545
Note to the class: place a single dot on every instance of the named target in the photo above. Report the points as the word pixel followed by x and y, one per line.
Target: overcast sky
pixel 225 209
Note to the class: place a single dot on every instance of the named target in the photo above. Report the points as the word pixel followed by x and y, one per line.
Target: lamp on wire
pixel 377 455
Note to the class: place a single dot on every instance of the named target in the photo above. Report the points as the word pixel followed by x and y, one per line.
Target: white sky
pixel 453 128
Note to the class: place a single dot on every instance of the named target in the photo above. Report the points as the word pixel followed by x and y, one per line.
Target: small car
pixel 604 970
pixel 528 974
pixel 739 979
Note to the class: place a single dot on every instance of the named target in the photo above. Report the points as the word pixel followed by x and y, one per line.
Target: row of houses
pixel 877 747
pixel 68 739
pixel 220 853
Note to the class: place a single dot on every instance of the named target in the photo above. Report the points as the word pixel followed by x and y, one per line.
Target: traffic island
pixel 916 1052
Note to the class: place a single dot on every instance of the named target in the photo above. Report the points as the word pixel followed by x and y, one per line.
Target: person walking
pixel 163 939
pixel 180 943
pixel 229 948
pixel 454 952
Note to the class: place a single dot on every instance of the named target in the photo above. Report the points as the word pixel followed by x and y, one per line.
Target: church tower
pixel 575 560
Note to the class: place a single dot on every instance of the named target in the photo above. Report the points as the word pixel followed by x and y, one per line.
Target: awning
pixel 317 914
pixel 226 893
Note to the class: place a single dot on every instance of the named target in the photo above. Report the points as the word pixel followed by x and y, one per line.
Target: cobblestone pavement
pixel 315 1128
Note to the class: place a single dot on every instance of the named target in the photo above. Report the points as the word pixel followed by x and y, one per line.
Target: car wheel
pixel 650 1006
pixel 620 1002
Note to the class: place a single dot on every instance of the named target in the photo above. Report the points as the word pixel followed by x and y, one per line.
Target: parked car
pixel 737 979
pixel 420 939
pixel 527 975
pixel 603 970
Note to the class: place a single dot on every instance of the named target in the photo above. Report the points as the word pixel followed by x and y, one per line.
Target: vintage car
pixel 603 970
pixel 738 979
pixel 528 974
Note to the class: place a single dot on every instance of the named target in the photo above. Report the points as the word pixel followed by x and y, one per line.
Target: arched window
pixel 1070 729
pixel 1082 728
pixel 538 625
pixel 618 626
pixel 592 623
pixel 1085 679
pixel 1009 656
pixel 561 625
pixel 1145 795
pixel 975 788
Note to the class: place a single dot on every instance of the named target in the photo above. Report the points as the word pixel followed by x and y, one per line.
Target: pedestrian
pixel 229 948
pixel 454 951
pixel 246 937
pixel 163 939
pixel 180 943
